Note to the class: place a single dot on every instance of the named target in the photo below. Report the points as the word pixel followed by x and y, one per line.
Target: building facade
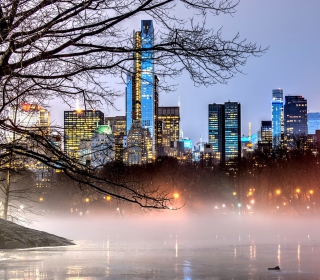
pixel 168 129
pixel 277 118
pixel 225 131
pixel 80 125
pixel 295 116
pixel 217 130
pixel 118 126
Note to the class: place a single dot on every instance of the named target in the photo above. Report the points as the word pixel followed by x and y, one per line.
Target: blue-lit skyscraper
pixel 141 90
pixel 147 77
pixel 277 117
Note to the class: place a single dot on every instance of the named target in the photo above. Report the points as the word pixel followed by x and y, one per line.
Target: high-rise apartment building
pixel 313 122
pixel 80 125
pixel 168 129
pixel 225 131
pixel 277 117
pixel 295 116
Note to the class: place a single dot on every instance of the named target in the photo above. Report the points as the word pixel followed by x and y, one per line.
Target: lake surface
pixel 188 249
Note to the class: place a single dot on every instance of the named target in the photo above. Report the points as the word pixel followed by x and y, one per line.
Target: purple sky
pixel 290 28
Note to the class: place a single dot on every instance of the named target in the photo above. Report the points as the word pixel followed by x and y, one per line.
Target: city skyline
pixel 289 64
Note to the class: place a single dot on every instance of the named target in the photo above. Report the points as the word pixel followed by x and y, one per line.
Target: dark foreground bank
pixel 13 236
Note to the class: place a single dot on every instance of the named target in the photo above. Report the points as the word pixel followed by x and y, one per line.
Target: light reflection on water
pixel 172 259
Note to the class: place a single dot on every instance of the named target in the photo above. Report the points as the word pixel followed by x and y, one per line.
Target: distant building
pixel 118 126
pixel 277 117
pixel 217 130
pixel 139 145
pixel 295 116
pixel 168 128
pixel 313 122
pixel 265 144
pixel 225 131
pixel 102 146
pixel 29 117
pixel 80 125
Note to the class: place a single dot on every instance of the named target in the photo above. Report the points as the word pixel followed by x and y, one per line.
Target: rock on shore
pixel 14 236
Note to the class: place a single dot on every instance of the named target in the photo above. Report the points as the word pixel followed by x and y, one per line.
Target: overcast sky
pixel 291 29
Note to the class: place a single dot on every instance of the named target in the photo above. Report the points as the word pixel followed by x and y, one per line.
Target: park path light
pixel 87 199
pixel 298 190
pixel 311 192
pixel 108 198
pixel 278 191
pixel 40 198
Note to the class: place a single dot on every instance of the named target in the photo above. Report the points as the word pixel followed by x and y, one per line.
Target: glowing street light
pixel 234 193
pixel 311 192
pixel 252 201
pixel 40 199
pixel 176 195
pixel 87 200
pixel 298 190
pixel 108 198
pixel 278 191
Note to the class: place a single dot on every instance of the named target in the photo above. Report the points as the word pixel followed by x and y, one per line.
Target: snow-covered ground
pixel 165 248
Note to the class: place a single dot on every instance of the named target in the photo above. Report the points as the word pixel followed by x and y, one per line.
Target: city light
pixel 108 198
pixel 87 199
pixel 298 190
pixel 176 195
pixel 278 191
pixel 311 192
pixel 40 199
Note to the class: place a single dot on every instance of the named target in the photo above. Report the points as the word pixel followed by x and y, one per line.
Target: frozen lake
pixel 155 248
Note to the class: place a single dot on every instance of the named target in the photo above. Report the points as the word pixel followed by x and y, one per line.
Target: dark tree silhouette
pixel 62 49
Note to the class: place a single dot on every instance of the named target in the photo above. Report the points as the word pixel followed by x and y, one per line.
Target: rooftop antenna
pixel 178 101
pixel 249 131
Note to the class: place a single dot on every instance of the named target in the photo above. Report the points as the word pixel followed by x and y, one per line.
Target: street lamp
pixel 278 191
pixel 176 195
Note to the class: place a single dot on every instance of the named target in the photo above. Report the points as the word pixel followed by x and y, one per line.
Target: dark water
pixel 156 248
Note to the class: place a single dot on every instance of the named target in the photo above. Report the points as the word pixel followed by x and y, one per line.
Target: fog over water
pixel 172 245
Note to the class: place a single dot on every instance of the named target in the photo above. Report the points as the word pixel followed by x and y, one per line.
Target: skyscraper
pixel 80 125
pixel 216 130
pixel 295 116
pixel 168 128
pixel 141 90
pixel 232 122
pixel 277 117
pixel 225 131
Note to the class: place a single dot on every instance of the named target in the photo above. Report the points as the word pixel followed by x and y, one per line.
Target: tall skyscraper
pixel 232 122
pixel 168 128
pixel 313 122
pixel 141 90
pixel 277 117
pixel 295 116
pixel 216 130
pixel 225 131
pixel 80 125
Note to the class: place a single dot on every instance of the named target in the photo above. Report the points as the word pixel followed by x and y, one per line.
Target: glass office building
pixel 232 130
pixel 277 117
pixel 225 131
pixel 295 116
pixel 216 130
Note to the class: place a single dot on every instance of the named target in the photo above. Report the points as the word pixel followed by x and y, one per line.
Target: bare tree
pixel 68 49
